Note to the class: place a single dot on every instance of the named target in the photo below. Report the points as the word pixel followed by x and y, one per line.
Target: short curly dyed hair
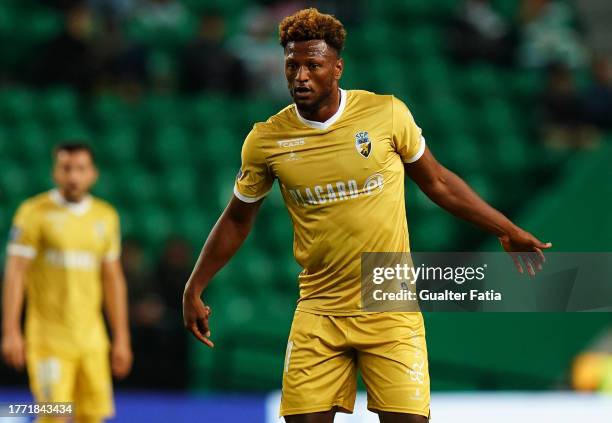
pixel 310 24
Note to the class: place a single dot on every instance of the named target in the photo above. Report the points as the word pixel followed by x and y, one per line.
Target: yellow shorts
pixel 86 381
pixel 324 353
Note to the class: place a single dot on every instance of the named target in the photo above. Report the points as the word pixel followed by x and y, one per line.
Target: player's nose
pixel 302 74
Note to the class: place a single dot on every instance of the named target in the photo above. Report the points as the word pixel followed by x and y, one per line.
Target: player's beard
pixel 317 102
pixel 73 195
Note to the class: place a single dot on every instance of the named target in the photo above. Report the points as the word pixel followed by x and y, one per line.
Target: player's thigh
pixel 320 417
pixel 320 372
pixel 51 376
pixel 392 357
pixel 94 387
pixel 389 417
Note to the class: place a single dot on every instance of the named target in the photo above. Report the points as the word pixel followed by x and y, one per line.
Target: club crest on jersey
pixel 363 144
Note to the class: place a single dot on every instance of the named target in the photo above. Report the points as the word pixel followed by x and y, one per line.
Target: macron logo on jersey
pixel 337 191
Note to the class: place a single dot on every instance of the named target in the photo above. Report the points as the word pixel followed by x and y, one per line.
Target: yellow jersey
pixel 67 243
pixel 343 184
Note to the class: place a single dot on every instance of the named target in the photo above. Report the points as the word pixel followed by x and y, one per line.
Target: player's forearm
pixel 454 195
pixel 222 243
pixel 115 304
pixel 13 295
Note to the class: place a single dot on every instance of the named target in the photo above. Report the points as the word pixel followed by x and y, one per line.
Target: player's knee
pixel 389 417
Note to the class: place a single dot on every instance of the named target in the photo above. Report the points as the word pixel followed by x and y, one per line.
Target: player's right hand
pixel 13 350
pixel 195 318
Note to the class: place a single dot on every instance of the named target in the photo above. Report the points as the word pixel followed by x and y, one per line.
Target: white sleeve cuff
pixel 419 153
pixel 21 251
pixel 111 257
pixel 246 199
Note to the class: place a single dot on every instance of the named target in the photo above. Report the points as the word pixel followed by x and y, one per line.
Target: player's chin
pixel 303 102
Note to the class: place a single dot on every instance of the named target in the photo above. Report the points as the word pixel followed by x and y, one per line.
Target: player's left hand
pixel 121 359
pixel 521 245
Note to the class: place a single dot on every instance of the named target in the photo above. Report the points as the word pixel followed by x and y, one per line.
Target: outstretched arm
pixel 450 192
pixel 224 240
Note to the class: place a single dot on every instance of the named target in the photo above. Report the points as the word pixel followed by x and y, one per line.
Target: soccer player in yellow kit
pixel 63 254
pixel 340 158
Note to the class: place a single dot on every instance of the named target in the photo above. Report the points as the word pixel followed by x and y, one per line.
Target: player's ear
pixel 95 175
pixel 338 68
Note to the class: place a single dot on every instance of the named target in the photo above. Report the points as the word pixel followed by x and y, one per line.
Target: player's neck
pixel 61 195
pixel 325 110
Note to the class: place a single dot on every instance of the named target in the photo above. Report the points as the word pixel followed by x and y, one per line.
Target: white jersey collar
pixel 79 208
pixel 329 122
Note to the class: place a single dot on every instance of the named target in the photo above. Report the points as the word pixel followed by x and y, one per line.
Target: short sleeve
pixel 24 237
pixel 254 179
pixel 112 248
pixel 407 137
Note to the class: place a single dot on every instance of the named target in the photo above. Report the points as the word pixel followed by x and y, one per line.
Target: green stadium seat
pixel 510 153
pixel 388 76
pixel 107 187
pixel 419 41
pixel 526 84
pixel 170 146
pixel 178 185
pixel 6 142
pixel 16 104
pixel 109 110
pixel 432 76
pixel 461 153
pixel 483 186
pixel 481 80
pixel 220 146
pixel 161 109
pixel 33 143
pixel 117 145
pixel 374 39
pixel 128 222
pixel 14 185
pixel 193 224
pixel 446 116
pixel 495 118
pixel 139 187
pixel 204 112
pixel 72 131
pixel 152 224
pixel 260 110
pixel 435 231
pixel 40 177
pixel 58 105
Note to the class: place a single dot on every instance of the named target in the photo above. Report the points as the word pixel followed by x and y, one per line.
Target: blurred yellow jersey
pixel 343 183
pixel 67 243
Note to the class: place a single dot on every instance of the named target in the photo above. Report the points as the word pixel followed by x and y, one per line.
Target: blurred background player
pixel 63 254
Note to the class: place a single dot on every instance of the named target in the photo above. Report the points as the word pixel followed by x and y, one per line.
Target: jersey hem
pixel 404 410
pixel 341 407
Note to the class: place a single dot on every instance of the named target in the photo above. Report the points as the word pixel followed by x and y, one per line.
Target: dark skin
pixel 313 70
